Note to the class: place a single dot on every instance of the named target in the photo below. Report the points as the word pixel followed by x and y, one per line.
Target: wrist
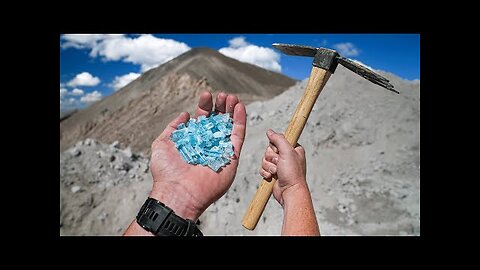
pixel 294 192
pixel 177 198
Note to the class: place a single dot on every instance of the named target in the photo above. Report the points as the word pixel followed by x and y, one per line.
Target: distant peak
pixel 203 50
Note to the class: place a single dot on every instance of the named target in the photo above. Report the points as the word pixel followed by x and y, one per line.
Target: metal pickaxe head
pixel 329 59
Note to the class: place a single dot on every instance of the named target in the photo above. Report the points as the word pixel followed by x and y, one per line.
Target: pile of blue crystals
pixel 205 140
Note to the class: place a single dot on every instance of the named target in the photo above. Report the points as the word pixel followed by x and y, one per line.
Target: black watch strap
pixel 157 218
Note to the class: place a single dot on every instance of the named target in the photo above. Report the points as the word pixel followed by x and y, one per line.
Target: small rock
pixel 112 158
pixel 102 216
pixel 128 152
pixel 89 142
pixel 75 152
pixel 350 221
pixel 100 154
pixel 115 144
pixel 125 167
pixel 342 208
pixel 237 200
pixel 76 189
pixel 388 172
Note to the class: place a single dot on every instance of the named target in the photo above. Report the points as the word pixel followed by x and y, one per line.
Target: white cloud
pixel 84 79
pixel 63 92
pixel 80 41
pixel 347 49
pixel 68 103
pixel 237 42
pixel 91 97
pixel 121 81
pixel 145 50
pixel 76 92
pixel 245 52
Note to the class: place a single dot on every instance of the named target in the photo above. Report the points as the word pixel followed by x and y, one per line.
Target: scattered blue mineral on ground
pixel 205 140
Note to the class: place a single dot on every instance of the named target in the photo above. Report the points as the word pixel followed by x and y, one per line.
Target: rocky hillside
pixel 363 154
pixel 135 114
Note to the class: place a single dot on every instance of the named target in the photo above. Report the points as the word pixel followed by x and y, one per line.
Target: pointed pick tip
pixel 276 45
pixel 393 90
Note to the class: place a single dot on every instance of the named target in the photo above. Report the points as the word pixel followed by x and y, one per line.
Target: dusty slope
pixel 363 156
pixel 363 153
pixel 135 114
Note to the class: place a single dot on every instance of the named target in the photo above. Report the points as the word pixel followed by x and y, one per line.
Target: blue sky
pixel 95 66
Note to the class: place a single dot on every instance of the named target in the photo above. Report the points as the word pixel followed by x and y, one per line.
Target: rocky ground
pixel 101 188
pixel 363 159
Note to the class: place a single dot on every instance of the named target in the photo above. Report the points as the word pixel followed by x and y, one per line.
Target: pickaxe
pixel 325 62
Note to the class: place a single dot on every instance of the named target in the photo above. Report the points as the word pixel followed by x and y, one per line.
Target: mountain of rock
pixel 137 113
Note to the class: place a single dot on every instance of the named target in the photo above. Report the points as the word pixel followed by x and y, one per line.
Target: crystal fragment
pixel 205 140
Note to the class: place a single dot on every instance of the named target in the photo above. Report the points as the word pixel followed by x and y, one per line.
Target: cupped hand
pixel 189 189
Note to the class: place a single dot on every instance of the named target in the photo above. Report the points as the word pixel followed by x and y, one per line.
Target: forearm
pixel 299 214
pixel 176 199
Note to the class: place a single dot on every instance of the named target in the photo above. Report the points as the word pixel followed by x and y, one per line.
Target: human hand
pixel 189 189
pixel 287 163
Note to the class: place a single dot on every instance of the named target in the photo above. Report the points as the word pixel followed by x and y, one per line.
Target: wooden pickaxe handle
pixel 316 82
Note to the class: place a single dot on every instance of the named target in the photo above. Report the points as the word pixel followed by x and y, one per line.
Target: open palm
pixel 199 184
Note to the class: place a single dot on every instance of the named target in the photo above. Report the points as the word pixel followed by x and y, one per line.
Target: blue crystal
pixel 177 135
pixel 181 126
pixel 209 125
pixel 205 140
pixel 218 134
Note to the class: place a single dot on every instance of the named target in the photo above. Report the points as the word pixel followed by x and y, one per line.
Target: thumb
pixel 279 141
pixel 300 150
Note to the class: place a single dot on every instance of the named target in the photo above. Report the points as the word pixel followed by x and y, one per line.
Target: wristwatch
pixel 157 218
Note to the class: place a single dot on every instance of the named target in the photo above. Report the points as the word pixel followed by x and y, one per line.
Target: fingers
pixel 274 148
pixel 269 166
pixel 265 174
pixel 205 104
pixel 239 128
pixel 269 162
pixel 271 156
pixel 172 126
pixel 220 102
pixel 279 141
pixel 223 103
pixel 231 101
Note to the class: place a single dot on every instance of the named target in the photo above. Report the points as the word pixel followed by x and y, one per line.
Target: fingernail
pixel 272 170
pixel 275 160
pixel 269 132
